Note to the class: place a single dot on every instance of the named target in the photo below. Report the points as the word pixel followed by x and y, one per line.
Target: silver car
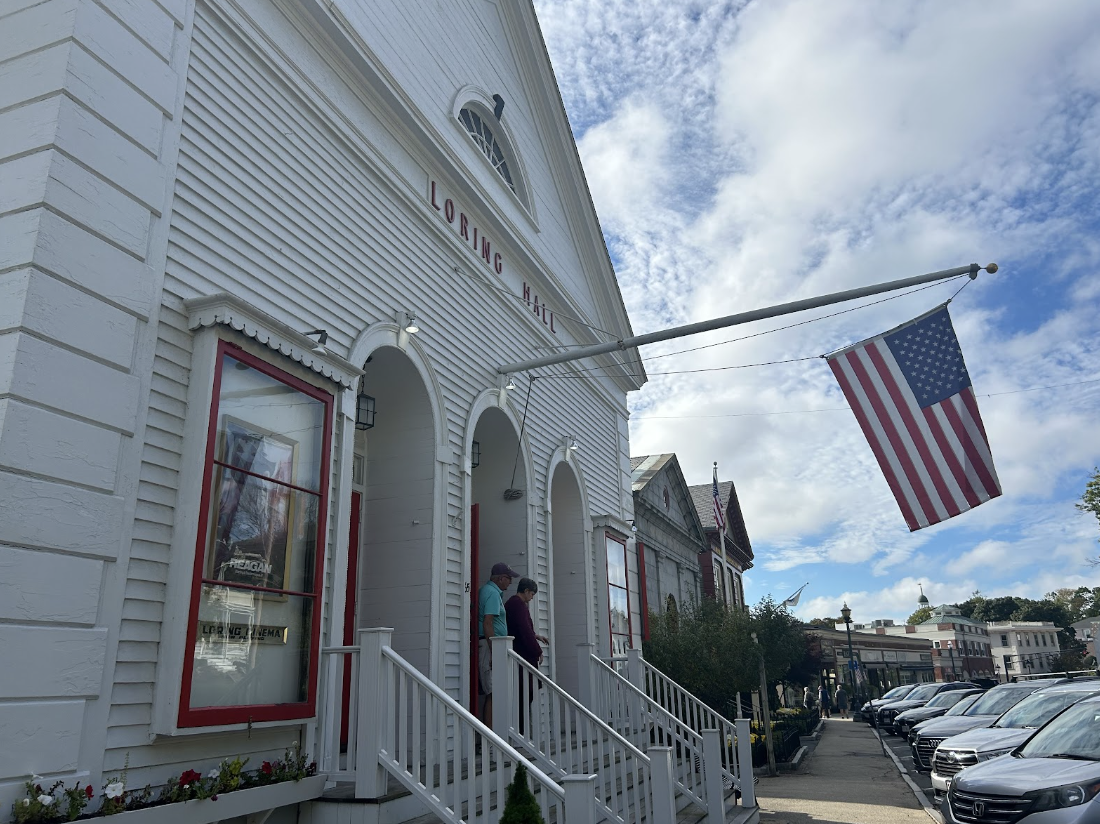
pixel 1052 779
pixel 1005 734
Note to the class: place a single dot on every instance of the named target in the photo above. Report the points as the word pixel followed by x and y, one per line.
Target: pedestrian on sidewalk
pixel 823 699
pixel 841 698
pixel 807 698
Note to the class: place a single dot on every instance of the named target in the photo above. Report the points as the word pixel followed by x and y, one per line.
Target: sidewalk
pixel 846 780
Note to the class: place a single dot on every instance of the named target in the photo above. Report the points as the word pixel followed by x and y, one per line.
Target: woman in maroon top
pixel 526 642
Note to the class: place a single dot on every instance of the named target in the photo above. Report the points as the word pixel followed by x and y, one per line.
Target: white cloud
pixel 747 156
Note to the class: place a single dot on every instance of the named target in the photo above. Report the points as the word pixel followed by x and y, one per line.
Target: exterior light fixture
pixel 411 326
pixel 322 339
pixel 511 384
pixel 573 445
pixel 475 455
pixel 364 410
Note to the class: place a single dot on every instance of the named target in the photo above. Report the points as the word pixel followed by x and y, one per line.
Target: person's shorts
pixel 484 668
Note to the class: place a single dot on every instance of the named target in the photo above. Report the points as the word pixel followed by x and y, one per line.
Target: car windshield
pixel 997 701
pixel 923 693
pixel 1073 734
pixel 897 693
pixel 947 699
pixel 965 704
pixel 1038 708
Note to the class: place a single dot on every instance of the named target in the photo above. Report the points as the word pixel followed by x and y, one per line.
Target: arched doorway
pixel 569 588
pixel 395 465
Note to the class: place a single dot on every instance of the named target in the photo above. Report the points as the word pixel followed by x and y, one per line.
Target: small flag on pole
pixel 911 394
pixel 793 600
pixel 719 513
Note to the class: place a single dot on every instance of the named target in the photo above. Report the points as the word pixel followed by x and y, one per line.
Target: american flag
pixel 912 397
pixel 719 514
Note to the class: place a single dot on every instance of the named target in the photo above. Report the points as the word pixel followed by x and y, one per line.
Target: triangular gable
pixel 553 259
pixel 654 476
pixel 737 544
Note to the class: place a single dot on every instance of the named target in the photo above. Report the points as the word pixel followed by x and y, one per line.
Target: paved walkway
pixel 846 780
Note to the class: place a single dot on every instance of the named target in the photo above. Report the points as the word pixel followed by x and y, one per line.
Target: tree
pixel 520 806
pixel 1068 661
pixel 708 649
pixel 826 622
pixel 920 616
pixel 1090 498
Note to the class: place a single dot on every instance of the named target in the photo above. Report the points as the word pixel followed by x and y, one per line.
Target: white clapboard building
pixel 261 261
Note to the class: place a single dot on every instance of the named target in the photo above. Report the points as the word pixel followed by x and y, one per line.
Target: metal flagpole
pixel 742 317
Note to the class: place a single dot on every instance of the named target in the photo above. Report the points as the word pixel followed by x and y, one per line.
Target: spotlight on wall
pixel 411 326
pixel 475 455
pixel 633 527
pixel 364 410
pixel 510 384
pixel 322 339
pixel 573 445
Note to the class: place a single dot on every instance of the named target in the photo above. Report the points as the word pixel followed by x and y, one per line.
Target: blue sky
pixel 742 155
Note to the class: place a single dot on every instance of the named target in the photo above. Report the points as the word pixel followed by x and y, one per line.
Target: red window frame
pixel 248 713
pixel 626 572
pixel 643 597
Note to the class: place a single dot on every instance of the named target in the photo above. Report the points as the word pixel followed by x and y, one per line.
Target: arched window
pixel 487 141
pixel 491 141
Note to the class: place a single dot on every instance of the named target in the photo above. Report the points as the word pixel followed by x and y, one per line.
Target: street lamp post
pixel 846 614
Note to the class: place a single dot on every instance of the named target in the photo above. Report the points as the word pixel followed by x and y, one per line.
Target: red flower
pixel 189 777
pixel 88 791
pixel 265 768
pixel 213 798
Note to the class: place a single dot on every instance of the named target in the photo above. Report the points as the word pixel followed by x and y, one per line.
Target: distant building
pixel 729 553
pixel 1022 647
pixel 885 662
pixel 1087 629
pixel 960 645
pixel 669 536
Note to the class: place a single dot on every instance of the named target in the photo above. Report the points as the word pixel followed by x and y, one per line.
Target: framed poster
pixel 251 537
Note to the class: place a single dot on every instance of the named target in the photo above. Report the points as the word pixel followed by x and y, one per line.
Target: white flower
pixel 214 774
pixel 45 800
pixel 114 789
pixel 26 802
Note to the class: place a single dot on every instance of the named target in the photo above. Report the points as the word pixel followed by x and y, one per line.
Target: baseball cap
pixel 503 569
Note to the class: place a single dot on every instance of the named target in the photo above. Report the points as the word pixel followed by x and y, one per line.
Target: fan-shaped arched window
pixel 490 141
pixel 487 141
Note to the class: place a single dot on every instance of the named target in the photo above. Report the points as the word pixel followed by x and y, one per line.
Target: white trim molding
pixel 237 314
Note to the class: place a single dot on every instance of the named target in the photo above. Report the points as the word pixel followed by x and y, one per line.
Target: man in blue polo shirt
pixel 491 622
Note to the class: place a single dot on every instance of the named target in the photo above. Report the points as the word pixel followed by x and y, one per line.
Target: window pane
pixel 250 648
pixel 619 619
pixel 267 427
pixel 262 533
pixel 616 563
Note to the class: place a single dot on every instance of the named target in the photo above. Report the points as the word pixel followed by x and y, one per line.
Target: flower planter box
pixel 228 805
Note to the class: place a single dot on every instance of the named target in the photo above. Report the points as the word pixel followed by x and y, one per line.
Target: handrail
pixel 668 729
pixel 396 754
pixel 682 703
pixel 625 773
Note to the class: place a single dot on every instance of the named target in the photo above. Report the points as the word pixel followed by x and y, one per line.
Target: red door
pixel 475 524
pixel 350 596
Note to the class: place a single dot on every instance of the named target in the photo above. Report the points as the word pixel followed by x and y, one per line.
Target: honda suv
pixel 1052 779
pixel 1009 731
pixel 982 713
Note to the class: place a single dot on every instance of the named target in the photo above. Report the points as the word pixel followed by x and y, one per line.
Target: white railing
pixel 671 716
pixel 690 710
pixel 336 758
pixel 408 727
pixel 566 738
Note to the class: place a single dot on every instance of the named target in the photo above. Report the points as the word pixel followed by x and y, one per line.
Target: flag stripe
pixel 948 495
pixel 898 439
pixel 887 459
pixel 976 449
pixel 951 449
pixel 972 407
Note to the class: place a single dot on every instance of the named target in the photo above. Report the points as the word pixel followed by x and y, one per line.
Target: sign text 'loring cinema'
pixel 483 246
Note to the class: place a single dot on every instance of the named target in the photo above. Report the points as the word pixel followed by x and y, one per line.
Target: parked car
pixel 983 712
pixel 888 713
pixel 1052 779
pixel 1009 731
pixel 896 694
pixel 939 705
